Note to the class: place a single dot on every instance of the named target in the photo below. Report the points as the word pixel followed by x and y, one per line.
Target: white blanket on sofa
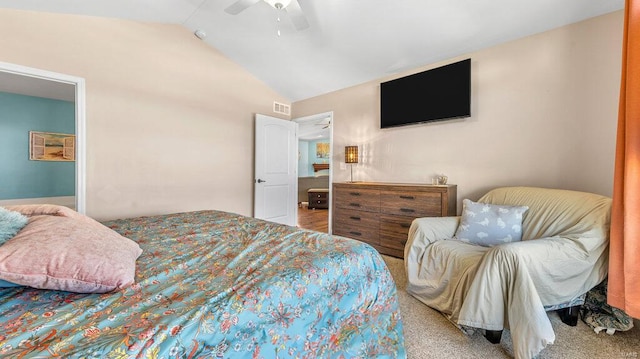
pixel 507 286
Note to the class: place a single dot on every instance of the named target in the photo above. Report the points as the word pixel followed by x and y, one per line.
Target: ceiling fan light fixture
pixel 278 4
pixel 292 7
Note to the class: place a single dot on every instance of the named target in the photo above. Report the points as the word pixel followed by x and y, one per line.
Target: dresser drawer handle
pixel 355 218
pixel 354 204
pixel 408 197
pixel 356 233
pixel 407 210
pixel 354 193
pixel 405 225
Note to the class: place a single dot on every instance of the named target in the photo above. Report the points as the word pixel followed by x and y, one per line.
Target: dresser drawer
pixel 318 203
pixel 414 204
pixel 364 234
pixel 352 218
pixel 394 231
pixel 358 199
pixel 355 224
pixel 318 195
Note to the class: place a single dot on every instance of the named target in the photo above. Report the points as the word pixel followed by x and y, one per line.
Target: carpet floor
pixel 428 334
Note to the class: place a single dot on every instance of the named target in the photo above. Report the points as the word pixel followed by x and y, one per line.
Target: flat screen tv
pixel 433 95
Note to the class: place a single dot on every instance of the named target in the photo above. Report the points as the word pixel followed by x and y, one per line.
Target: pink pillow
pixel 50 209
pixel 64 250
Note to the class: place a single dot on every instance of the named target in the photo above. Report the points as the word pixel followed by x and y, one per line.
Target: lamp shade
pixel 351 154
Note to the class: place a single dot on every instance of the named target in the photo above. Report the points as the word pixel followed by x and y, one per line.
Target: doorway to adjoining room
pixel 42 137
pixel 314 171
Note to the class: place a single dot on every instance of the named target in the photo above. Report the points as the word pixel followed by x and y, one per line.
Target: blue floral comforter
pixel 212 284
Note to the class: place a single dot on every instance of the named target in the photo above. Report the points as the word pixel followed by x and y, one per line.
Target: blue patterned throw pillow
pixel 10 223
pixel 489 224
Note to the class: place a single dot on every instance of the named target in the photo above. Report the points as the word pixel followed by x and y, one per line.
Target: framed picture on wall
pixel 49 146
pixel 322 150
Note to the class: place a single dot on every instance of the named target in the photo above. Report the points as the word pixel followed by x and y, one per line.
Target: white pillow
pixel 489 224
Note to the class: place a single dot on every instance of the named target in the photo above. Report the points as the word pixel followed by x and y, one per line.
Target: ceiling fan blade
pixel 238 6
pixel 297 16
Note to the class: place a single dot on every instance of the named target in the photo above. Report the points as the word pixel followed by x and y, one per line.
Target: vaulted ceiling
pixel 347 42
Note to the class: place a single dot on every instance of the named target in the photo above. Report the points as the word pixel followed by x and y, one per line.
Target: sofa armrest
pixel 559 266
pixel 426 230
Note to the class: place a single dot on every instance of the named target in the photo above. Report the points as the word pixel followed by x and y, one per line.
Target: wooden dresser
pixel 380 214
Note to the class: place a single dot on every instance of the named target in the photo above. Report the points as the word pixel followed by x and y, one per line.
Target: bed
pixel 216 284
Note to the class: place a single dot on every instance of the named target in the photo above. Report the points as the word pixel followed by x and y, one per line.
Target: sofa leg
pixel 493 336
pixel 569 316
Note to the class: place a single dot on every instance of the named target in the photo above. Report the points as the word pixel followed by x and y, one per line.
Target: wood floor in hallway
pixel 314 219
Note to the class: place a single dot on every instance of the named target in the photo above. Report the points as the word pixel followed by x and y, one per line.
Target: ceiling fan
pixel 324 124
pixel 292 7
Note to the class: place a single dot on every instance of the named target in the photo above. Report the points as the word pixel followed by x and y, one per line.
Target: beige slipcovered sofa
pixel 562 255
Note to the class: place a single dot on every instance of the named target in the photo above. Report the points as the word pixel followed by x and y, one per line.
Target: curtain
pixel 624 250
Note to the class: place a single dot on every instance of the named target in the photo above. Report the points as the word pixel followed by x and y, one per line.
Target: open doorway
pixel 315 149
pixel 42 97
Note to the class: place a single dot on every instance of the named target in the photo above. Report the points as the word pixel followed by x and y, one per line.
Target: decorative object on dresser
pixel 380 214
pixel 318 198
pixel 351 157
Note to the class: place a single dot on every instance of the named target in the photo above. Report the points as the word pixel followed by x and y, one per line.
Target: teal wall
pixel 19 177
pixel 314 159
pixel 303 159
pixel 307 157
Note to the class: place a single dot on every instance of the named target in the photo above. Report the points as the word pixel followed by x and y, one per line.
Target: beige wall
pixel 169 119
pixel 544 114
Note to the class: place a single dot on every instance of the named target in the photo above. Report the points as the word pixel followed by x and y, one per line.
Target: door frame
pixel 80 118
pixel 317 117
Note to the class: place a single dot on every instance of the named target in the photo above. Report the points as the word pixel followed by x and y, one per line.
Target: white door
pixel 276 181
